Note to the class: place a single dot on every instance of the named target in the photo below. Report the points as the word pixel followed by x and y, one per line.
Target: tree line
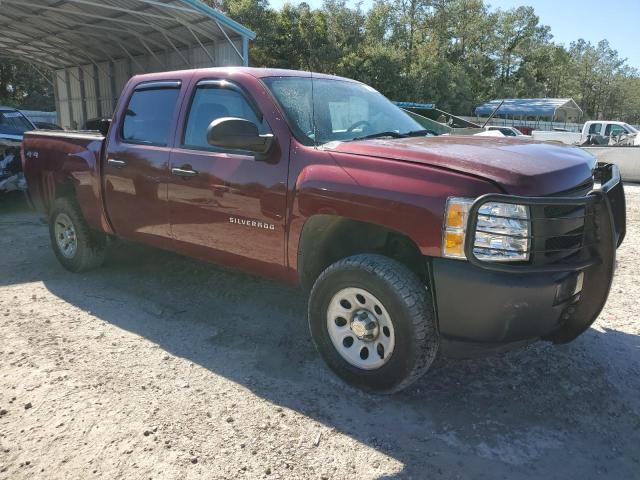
pixel 455 53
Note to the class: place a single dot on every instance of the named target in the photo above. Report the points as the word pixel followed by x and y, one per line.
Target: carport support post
pixel 96 86
pixel 83 98
pixel 56 98
pixel 245 51
pixel 112 86
pixel 69 105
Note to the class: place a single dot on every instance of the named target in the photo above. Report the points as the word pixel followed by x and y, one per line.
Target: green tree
pixel 22 86
pixel 457 53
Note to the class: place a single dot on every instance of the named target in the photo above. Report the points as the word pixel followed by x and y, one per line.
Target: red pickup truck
pixel 411 244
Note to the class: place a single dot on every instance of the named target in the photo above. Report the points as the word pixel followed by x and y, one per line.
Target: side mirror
pixel 238 134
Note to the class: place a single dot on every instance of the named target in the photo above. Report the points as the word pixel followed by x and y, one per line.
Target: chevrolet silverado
pixel 410 244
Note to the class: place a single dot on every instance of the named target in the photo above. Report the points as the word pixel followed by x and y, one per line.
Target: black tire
pixel 90 250
pixel 410 308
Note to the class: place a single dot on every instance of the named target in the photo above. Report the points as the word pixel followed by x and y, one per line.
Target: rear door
pixel 224 205
pixel 137 163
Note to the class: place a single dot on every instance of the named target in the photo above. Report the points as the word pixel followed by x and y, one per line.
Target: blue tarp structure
pixel 554 109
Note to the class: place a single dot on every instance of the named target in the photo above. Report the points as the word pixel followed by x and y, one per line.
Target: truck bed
pixel 56 163
pixel 627 158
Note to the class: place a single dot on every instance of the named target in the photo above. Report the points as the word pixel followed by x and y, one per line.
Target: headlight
pixel 502 231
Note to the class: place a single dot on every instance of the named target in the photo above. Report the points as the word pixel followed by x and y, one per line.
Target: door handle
pixel 117 163
pixel 184 172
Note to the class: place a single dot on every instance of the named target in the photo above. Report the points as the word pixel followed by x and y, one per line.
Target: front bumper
pixel 485 305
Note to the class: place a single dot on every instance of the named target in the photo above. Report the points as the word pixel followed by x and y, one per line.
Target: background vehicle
pixel 13 124
pixel 506 131
pixel 593 133
pixel 409 244
pixel 610 142
pixel 626 158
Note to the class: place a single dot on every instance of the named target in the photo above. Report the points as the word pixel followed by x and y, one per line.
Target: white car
pixel 506 131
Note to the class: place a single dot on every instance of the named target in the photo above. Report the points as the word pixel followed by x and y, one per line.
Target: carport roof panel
pixel 534 107
pixel 66 33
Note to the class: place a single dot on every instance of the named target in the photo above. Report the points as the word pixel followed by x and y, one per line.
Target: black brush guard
pixel 568 234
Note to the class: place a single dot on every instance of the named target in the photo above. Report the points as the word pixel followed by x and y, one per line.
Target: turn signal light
pixel 455 226
pixel 454 244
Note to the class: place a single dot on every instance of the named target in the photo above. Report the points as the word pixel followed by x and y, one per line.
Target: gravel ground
pixel 157 366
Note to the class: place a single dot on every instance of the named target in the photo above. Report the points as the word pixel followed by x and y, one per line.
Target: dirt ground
pixel 157 366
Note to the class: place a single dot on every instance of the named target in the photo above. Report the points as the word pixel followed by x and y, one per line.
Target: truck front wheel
pixel 372 321
pixel 77 247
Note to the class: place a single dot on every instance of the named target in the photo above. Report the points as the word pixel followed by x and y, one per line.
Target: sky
pixel 593 20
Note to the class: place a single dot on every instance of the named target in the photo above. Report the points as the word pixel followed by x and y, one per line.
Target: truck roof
pixel 613 122
pixel 256 72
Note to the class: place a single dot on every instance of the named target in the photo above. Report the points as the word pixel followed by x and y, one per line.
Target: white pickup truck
pixel 608 141
pixel 593 133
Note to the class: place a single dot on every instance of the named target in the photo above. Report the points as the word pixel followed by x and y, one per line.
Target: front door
pixel 224 205
pixel 136 170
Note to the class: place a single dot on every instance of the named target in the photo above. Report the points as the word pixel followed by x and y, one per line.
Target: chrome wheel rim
pixel 360 328
pixel 65 234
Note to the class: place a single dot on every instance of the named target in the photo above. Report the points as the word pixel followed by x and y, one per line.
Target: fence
pixel 534 124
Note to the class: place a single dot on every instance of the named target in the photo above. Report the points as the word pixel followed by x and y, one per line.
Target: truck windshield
pixel 323 110
pixel 13 122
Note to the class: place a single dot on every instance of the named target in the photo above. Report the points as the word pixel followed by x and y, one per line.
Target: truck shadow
pixel 512 415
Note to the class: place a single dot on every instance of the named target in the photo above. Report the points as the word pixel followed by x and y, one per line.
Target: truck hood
pixel 520 167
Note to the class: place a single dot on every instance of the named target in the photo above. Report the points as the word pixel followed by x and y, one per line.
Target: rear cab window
pixel 595 129
pixel 149 114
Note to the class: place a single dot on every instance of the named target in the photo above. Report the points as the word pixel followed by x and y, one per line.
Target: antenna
pixel 492 114
pixel 313 98
pixel 313 112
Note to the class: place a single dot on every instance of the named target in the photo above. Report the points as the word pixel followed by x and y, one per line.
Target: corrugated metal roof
pixel 64 33
pixel 534 107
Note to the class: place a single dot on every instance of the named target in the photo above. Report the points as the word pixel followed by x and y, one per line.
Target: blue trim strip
pixel 427 106
pixel 202 8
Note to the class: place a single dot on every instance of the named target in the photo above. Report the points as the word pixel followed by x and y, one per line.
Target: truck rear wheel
pixel 372 321
pixel 77 247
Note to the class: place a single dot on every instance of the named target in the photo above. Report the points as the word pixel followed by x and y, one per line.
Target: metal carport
pixel 551 109
pixel 94 46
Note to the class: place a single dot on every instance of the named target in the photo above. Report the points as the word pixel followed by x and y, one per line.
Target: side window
pixel 615 130
pixel 210 103
pixel 595 129
pixel 148 116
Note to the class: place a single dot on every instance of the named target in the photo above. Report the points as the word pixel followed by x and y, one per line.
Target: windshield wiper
pixel 419 133
pixel 390 133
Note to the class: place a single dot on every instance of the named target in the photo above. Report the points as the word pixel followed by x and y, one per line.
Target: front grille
pixel 579 191
pixel 571 240
pixel 560 231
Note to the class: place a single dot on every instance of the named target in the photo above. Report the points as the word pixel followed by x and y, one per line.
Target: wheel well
pixel 64 189
pixel 326 239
